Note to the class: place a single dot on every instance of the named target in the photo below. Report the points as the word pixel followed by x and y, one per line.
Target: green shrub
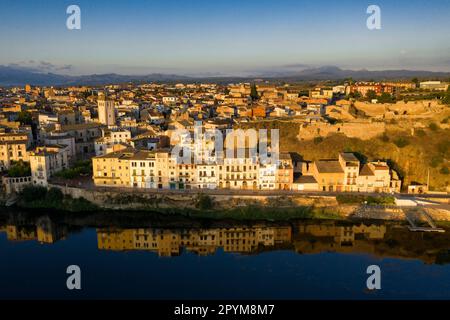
pixel 444 170
pixel 33 193
pixel 348 199
pixel 433 126
pixel 318 140
pixel 444 148
pixel 421 133
pixel 54 195
pixel 79 168
pixel 401 142
pixel 19 169
pixel 436 161
pixel 204 202
pixel 81 204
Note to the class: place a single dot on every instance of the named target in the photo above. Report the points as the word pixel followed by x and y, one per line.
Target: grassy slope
pixel 411 161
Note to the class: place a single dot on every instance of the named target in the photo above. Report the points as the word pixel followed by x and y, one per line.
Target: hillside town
pixel 124 135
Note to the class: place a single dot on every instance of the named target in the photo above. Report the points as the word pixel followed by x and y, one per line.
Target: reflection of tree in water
pixel 443 257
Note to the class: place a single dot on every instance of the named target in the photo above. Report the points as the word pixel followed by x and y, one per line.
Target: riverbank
pixel 220 206
pixel 196 205
pixel 251 212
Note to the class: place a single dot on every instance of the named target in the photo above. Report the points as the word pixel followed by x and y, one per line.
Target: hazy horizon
pixel 238 73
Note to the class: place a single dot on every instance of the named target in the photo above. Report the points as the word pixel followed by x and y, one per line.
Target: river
pixel 145 256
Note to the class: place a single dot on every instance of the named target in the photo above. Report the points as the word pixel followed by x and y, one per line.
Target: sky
pixel 218 37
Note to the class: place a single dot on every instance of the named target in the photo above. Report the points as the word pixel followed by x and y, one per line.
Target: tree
pixel 349 80
pixel 433 126
pixel 370 95
pixel 254 93
pixel 386 98
pixel 415 81
pixel 436 161
pixel 444 170
pixel 32 193
pixel 401 142
pixel 446 98
pixel 204 202
pixel 19 169
pixel 54 195
pixel 25 117
pixel 354 95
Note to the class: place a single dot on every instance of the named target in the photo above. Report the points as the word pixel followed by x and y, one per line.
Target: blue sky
pixel 227 37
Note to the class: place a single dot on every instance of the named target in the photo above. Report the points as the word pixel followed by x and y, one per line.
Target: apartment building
pixel 240 171
pixel 45 161
pixel 346 174
pixel 329 175
pixel 364 87
pixel 113 169
pixel 322 93
pixel 17 137
pixel 110 138
pixel 62 138
pixel 377 177
pixel 159 169
pixel 285 172
pixel 153 170
pixel 207 176
pixel 84 134
pixel 15 150
pixel 434 85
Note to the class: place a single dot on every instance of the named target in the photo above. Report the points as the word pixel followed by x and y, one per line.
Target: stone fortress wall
pixel 408 115
pixel 364 130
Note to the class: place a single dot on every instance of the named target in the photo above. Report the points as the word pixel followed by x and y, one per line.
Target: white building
pixel 169 100
pixel 46 161
pixel 434 85
pixel 207 176
pixel 62 138
pixel 267 176
pixel 111 138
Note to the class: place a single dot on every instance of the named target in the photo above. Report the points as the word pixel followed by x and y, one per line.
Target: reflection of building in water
pixel 303 237
pixel 330 237
pixel 48 231
pixel 201 241
pixel 44 231
pixel 20 233
pixel 164 241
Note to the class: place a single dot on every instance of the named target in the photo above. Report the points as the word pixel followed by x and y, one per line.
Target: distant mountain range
pixel 10 76
pixel 336 73
pixel 14 76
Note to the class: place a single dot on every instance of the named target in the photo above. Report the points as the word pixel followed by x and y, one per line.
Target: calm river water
pixel 134 256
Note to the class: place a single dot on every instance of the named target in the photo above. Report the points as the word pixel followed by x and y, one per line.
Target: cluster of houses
pixel 161 169
pixel 127 132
